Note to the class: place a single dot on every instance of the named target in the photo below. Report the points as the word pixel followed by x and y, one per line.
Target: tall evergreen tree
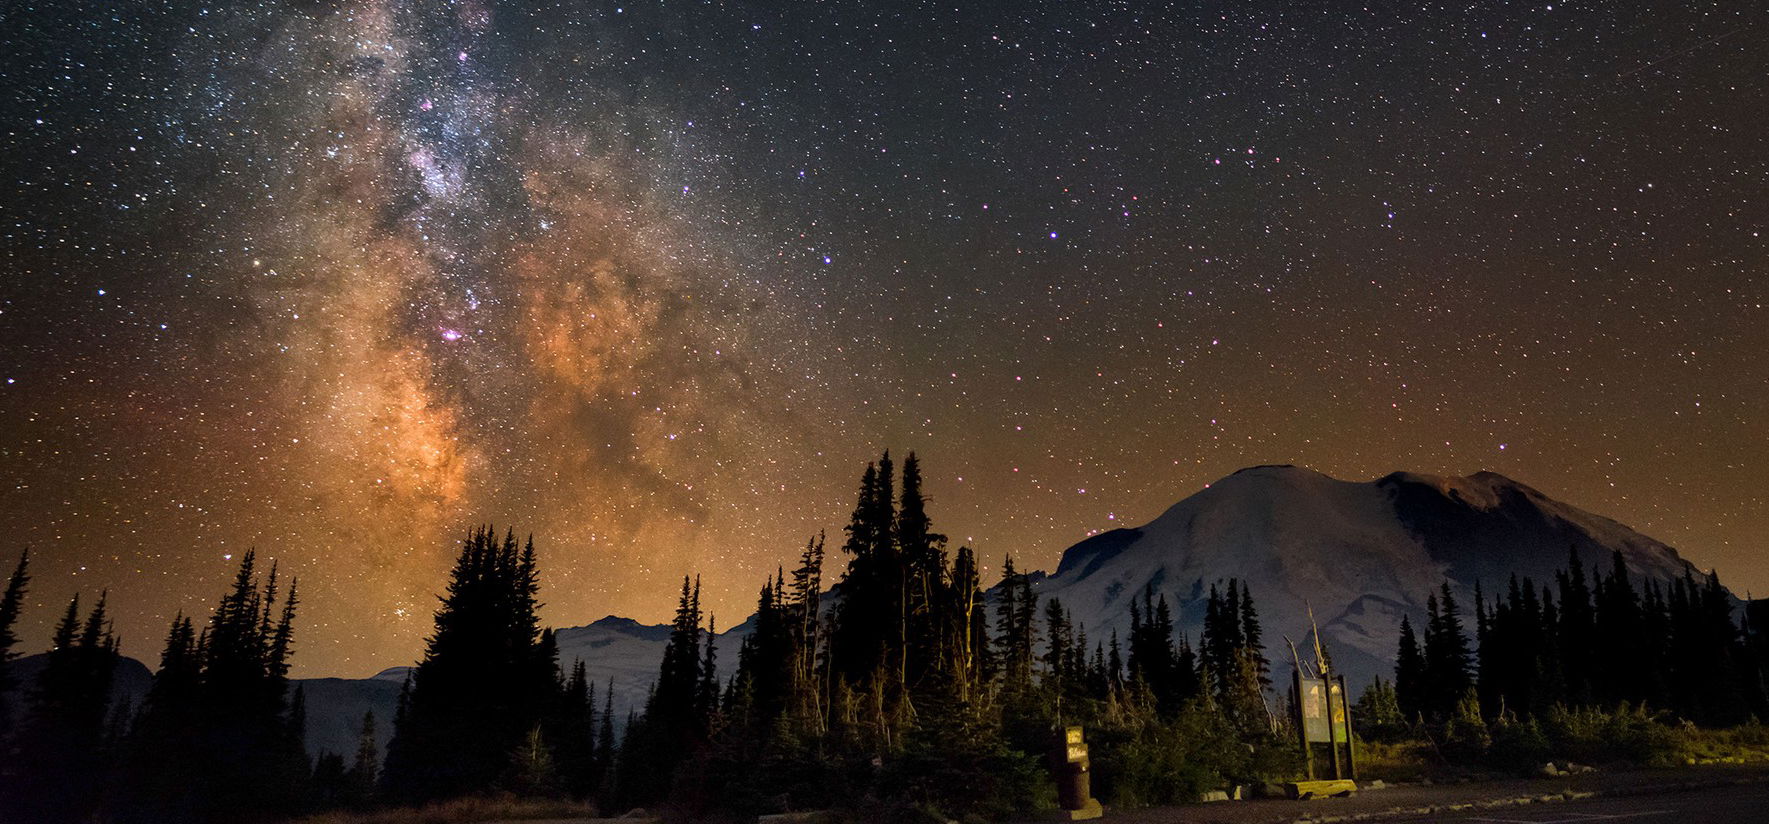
pixel 365 768
pixel 10 605
pixel 1619 633
pixel 66 764
pixel 674 724
pixel 1447 676
pixel 486 680
pixel 1577 631
pixel 574 732
pixel 604 763
pixel 1410 674
pixel 1014 611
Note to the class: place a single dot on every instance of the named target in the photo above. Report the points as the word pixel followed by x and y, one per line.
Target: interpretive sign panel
pixel 1319 699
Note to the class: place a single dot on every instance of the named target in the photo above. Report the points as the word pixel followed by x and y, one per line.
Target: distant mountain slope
pixel 1361 554
pixel 629 653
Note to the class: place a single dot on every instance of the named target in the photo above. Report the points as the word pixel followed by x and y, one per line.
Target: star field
pixel 338 279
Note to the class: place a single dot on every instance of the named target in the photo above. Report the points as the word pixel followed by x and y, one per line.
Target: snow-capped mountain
pixel 1361 554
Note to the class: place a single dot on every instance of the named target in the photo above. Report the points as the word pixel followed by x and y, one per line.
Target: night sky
pixel 653 281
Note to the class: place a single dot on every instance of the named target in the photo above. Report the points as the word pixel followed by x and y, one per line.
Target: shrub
pixel 1518 746
pixel 1628 734
pixel 1143 760
pixel 1465 736
pixel 958 770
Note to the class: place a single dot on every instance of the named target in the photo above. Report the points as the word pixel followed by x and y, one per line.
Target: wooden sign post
pixel 1071 768
pixel 1323 716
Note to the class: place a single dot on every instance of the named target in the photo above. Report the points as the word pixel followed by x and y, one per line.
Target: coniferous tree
pixel 1014 611
pixel 922 657
pixel 1620 631
pixel 675 721
pixel 1115 661
pixel 10 605
pixel 365 768
pixel 161 749
pixel 1233 657
pixel 967 644
pixel 1446 656
pixel 63 740
pixel 604 763
pixel 485 683
pixel 1253 638
pixel 1154 660
pixel 706 696
pixel 1059 640
pixel 1410 674
pixel 1577 631
pixel 573 723
pixel 246 756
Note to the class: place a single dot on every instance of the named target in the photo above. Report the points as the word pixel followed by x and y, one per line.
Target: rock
pixel 1378 784
pixel 1548 770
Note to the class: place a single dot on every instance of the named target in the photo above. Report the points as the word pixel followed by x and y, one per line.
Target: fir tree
pixel 486 680
pixel 674 725
pixel 365 769
pixel 1577 631
pixel 63 739
pixel 573 723
pixel 10 605
pixel 1446 656
pixel 604 762
pixel 1409 674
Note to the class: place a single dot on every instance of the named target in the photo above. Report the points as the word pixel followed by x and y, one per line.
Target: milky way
pixel 652 281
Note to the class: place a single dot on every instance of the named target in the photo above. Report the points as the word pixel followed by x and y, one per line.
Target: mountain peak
pixel 1360 554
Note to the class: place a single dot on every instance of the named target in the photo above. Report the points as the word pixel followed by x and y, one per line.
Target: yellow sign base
pixel 1320 789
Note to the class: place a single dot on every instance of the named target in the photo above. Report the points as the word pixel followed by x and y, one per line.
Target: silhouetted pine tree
pixel 574 732
pixel 10 605
pixel 867 619
pixel 966 628
pixel 922 658
pixel 1620 632
pixel 1577 631
pixel 1447 676
pixel 1233 657
pixel 64 765
pixel 485 683
pixel 1015 609
pixel 604 762
pixel 365 769
pixel 1155 662
pixel 238 739
pixel 1409 674
pixel 674 724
